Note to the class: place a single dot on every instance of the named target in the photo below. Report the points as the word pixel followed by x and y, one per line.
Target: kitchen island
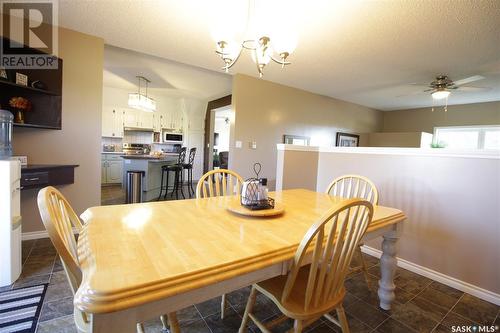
pixel 152 172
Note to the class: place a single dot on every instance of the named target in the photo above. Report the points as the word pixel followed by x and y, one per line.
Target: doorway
pixel 221 104
pixel 220 138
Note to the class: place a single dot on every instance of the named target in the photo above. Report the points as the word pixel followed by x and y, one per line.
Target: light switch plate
pixel 22 159
pixel 237 144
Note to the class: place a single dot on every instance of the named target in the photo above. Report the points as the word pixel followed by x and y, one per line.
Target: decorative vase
pixel 19 119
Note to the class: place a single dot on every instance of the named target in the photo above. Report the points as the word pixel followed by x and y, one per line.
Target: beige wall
pixel 79 140
pixel 395 139
pixel 265 111
pixel 289 176
pixel 424 120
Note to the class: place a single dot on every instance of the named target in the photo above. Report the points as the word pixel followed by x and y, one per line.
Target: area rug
pixel 20 309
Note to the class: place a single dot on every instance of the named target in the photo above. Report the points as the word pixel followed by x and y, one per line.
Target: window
pixel 468 137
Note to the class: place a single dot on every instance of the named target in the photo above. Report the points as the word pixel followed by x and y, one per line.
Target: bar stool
pixel 189 167
pixel 178 177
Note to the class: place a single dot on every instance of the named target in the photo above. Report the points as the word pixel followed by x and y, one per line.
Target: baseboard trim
pixel 38 234
pixel 440 277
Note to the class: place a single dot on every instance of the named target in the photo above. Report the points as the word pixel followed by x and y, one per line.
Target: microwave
pixel 171 137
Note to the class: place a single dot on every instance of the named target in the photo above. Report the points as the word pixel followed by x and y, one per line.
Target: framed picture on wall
pixel 296 140
pixel 347 140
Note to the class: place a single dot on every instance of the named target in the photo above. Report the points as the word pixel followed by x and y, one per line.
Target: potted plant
pixel 20 105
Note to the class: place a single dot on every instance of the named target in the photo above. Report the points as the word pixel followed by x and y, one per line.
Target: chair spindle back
pixel 334 237
pixel 354 186
pixel 220 182
pixel 59 218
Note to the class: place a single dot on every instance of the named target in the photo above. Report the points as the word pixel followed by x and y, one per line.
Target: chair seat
pixel 294 306
pixel 187 166
pixel 173 167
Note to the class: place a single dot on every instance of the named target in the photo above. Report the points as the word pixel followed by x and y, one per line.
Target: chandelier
pixel 141 101
pixel 267 38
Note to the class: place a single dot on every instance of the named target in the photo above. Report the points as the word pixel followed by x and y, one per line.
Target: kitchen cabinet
pixel 112 122
pixel 130 118
pixel 145 119
pixel 174 120
pixel 138 118
pixel 114 172
pixel 111 169
pixel 162 120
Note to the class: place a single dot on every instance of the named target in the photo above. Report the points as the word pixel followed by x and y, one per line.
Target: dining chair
pixel 59 219
pixel 189 167
pixel 310 291
pixel 355 186
pixel 220 182
pixel 178 171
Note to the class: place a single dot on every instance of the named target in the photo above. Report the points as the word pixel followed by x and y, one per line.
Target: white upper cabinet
pixel 137 118
pixel 146 119
pixel 175 120
pixel 112 123
pixel 160 120
pixel 130 118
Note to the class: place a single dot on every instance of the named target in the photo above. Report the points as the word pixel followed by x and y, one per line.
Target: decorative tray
pixel 234 205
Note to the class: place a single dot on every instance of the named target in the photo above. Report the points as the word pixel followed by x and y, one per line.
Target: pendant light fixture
pixel 141 101
pixel 268 34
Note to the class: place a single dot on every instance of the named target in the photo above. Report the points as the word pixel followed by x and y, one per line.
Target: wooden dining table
pixel 140 261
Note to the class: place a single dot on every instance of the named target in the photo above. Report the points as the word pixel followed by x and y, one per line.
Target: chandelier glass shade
pixel 141 101
pixel 267 35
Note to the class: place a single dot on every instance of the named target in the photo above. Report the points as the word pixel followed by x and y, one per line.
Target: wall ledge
pixel 439 277
pixel 395 151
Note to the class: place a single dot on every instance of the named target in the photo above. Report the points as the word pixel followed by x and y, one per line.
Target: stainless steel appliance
pixel 137 129
pixel 172 137
pixel 108 148
pixel 136 149
pixel 172 148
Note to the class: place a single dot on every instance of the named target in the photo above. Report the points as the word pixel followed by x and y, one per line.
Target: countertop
pixel 112 152
pixel 165 157
pixel 45 167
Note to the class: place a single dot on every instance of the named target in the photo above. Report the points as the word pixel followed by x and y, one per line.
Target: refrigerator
pixel 10 222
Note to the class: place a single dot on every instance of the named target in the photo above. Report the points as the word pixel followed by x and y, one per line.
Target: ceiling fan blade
pixel 421 85
pixel 411 94
pixel 468 80
pixel 472 89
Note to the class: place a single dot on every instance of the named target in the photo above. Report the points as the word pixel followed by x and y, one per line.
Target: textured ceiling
pixel 366 52
pixel 121 68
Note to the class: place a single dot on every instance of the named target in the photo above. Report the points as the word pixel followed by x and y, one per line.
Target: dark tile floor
pixel 115 195
pixel 422 305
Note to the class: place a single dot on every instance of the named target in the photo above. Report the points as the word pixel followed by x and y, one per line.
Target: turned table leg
pixel 388 263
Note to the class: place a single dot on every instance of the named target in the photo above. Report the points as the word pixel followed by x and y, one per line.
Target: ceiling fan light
pixel 440 94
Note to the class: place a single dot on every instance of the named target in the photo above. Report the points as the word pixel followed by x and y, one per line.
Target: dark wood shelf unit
pixel 41 175
pixel 24 88
pixel 36 126
pixel 46 112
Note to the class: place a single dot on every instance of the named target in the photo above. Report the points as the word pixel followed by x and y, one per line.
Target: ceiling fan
pixel 442 86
